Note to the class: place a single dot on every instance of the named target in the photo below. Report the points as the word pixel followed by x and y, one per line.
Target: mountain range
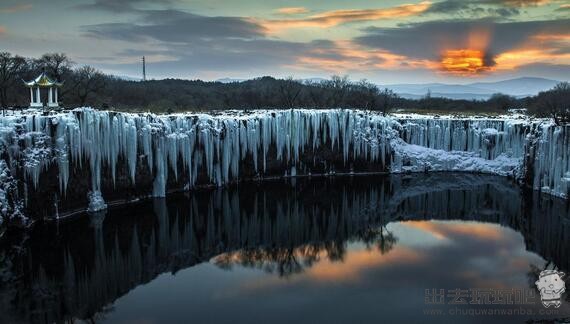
pixel 520 87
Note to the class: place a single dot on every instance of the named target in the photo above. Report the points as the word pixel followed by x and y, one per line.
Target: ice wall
pixel 494 146
pixel 548 160
pixel 218 147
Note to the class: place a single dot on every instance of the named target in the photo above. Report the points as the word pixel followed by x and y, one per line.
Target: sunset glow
pixel 427 41
pixel 292 10
pixel 443 230
pixel 464 62
pixel 338 17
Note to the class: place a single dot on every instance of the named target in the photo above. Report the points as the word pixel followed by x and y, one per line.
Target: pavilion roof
pixel 43 81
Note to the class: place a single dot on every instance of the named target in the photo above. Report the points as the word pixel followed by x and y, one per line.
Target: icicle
pixel 218 145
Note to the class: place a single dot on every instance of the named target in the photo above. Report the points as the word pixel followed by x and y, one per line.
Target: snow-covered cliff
pixel 77 159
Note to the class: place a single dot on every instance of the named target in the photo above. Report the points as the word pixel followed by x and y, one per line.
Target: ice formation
pixel 494 146
pixel 96 202
pixel 11 206
pixel 190 144
pixel 550 152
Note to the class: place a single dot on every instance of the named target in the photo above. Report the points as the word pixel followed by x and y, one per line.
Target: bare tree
pixel 89 81
pixel 502 102
pixel 316 92
pixel 386 100
pixel 59 67
pixel 56 64
pixel 366 95
pixel 11 68
pixel 556 102
pixel 339 87
pixel 289 90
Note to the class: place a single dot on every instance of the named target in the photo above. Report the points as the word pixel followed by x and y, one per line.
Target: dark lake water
pixel 363 249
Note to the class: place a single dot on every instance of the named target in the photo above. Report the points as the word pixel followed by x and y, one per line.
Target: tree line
pixel 86 86
pixel 80 84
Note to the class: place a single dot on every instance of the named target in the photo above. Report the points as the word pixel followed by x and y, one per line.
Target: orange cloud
pixel 349 269
pixel 338 17
pixel 292 10
pixel 464 62
pixel 2 30
pixel 344 56
pixel 445 230
pixel 540 48
pixel 358 261
pixel 472 60
pixel 514 59
pixel 475 58
pixel 552 37
pixel 16 8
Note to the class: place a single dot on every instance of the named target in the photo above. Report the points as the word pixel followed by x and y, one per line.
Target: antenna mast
pixel 144 68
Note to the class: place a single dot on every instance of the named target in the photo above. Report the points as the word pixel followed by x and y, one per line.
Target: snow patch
pixel 415 158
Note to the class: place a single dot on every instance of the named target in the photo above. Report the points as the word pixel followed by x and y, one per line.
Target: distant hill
pixel 229 80
pixel 457 96
pixel 127 78
pixel 314 80
pixel 520 87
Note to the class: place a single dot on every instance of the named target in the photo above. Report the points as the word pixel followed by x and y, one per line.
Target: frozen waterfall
pixel 215 148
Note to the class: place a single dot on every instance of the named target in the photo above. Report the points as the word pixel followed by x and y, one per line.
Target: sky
pixel 386 42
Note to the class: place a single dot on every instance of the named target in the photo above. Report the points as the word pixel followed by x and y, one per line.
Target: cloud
pixel 526 56
pixel 483 8
pixel 176 26
pixel 292 10
pixel 2 30
pixel 119 6
pixel 470 9
pixel 480 45
pixel 466 62
pixel 230 56
pixel 337 17
pixel 449 6
pixel 133 56
pixel 428 39
pixel 181 41
pixel 564 8
pixel 346 56
pixel 517 3
pixel 17 8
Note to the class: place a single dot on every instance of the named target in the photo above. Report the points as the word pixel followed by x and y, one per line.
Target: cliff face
pixel 83 158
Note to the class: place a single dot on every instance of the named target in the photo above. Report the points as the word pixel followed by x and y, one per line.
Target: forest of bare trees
pixel 86 86
pixel 81 84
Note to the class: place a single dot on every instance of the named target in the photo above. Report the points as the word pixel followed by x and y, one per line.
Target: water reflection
pixel 367 235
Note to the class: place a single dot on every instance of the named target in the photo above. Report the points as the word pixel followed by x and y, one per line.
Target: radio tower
pixel 144 69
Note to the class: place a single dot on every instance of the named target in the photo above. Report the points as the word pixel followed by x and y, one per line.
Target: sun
pixel 465 62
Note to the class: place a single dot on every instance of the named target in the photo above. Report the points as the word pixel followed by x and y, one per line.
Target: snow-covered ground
pixel 217 143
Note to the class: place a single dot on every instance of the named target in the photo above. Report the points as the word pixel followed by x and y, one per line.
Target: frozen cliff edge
pixel 56 161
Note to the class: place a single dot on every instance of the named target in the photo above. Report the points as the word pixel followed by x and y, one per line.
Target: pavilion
pixel 43 82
